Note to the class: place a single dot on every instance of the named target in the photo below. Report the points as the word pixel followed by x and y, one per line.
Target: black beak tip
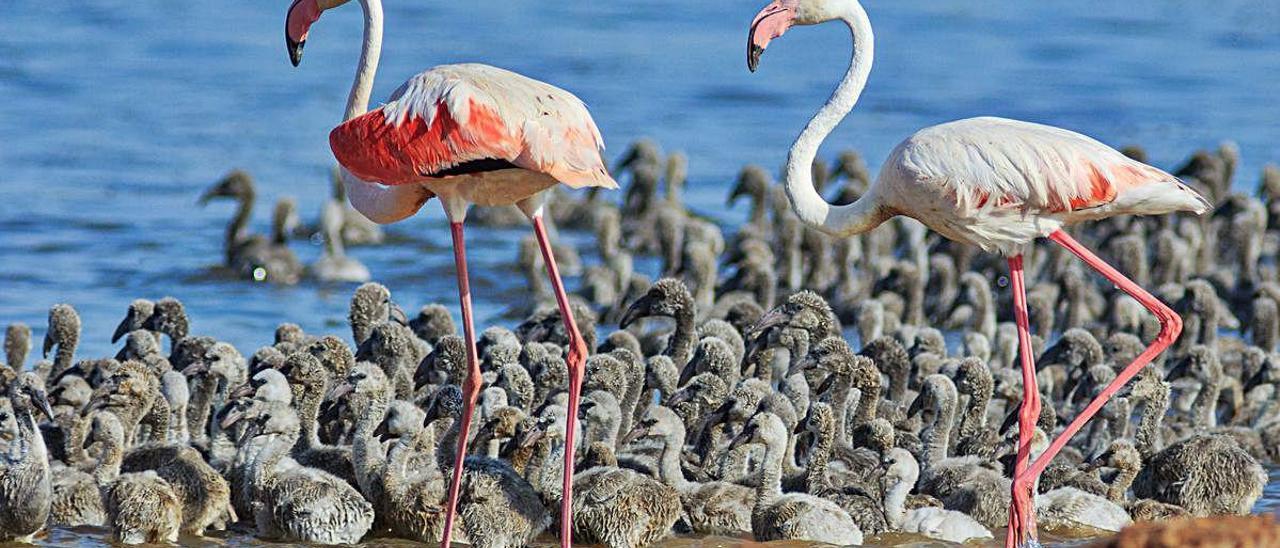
pixel 121 331
pixel 295 50
pixel 629 317
pixel 753 57
pixel 45 408
pixel 397 313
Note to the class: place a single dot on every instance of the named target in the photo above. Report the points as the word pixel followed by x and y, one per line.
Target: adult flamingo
pixel 466 134
pixel 994 183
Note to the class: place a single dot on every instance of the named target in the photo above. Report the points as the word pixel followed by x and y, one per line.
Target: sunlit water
pixel 115 114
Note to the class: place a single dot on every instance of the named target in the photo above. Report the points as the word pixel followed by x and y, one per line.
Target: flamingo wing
pixel 989 164
pixel 457 119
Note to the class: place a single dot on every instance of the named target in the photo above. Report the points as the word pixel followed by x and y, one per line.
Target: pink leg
pixel 1170 328
pixel 470 386
pixel 577 355
pixel 1021 511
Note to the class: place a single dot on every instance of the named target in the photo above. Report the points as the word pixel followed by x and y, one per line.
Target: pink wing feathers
pixel 452 115
pixel 997 163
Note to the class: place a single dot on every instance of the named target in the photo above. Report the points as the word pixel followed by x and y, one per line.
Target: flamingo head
pixel 772 22
pixel 780 15
pixel 302 14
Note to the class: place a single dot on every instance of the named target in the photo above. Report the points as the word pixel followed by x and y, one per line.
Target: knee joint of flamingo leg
pixel 1030 411
pixel 1170 326
pixel 471 387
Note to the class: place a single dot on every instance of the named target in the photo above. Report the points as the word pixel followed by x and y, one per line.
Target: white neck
pixel 669 465
pixel 895 503
pixel 864 214
pixel 362 87
pixel 381 204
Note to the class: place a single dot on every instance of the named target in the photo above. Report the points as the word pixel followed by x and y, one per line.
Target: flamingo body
pixel 489 135
pixel 467 134
pixel 999 184
pixel 995 183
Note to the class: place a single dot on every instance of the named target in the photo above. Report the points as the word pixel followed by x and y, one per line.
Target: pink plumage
pixel 466 134
pixel 450 115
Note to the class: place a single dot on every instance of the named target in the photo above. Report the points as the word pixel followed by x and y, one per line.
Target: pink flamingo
pixel 994 183
pixel 466 134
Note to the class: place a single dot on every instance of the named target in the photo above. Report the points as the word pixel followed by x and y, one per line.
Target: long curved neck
pixel 1120 484
pixel 381 204
pixel 899 377
pixel 112 456
pixel 669 463
pixel 938 436
pixel 821 457
pixel 200 406
pixel 866 213
pixel 178 423
pixel 1147 437
pixel 236 229
pixel 868 405
pixel 770 485
pixel 362 87
pixel 680 345
pixel 276 448
pixel 895 501
pixel 308 406
pixel 366 456
pixel 29 446
pixel 975 415
pixel 66 353
pixel 1206 403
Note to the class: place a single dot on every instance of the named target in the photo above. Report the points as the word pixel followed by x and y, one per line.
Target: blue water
pixel 116 114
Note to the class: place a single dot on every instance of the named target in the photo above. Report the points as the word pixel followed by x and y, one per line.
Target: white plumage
pixel 998 183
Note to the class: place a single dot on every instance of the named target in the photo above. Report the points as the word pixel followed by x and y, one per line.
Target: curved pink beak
pixel 772 22
pixel 302 14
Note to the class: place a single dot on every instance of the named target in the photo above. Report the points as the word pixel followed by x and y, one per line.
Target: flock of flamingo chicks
pixel 773 384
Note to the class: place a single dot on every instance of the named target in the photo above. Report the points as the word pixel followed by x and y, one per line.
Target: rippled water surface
pixel 115 114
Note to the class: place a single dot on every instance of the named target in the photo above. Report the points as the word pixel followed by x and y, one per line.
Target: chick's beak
pixel 635 434
pixel 121 330
pixel 637 310
pixel 42 402
pixel 398 315
pixel 340 391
